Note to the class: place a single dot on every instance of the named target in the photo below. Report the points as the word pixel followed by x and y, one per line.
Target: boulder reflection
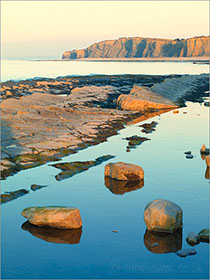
pixel 207 173
pixel 62 236
pixel 162 243
pixel 121 187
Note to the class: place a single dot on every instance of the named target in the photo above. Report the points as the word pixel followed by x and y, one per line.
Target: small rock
pixel 115 231
pixel 176 112
pixel 206 104
pixel 53 216
pixel 192 239
pixel 162 215
pixel 124 171
pixel 184 112
pixel 189 156
pixel 186 252
pixel 204 235
pixel 188 153
pixel 36 187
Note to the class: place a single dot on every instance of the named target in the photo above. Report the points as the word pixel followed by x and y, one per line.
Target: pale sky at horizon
pixel 48 28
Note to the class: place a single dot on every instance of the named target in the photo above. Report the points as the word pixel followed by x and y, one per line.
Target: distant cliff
pixel 136 47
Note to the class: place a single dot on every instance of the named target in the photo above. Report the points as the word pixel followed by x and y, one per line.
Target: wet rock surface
pixel 8 196
pixel 72 168
pixel 163 243
pixel 186 252
pixel 54 217
pixel 148 127
pixel 162 215
pixel 134 141
pixel 54 235
pixel 45 119
pixel 36 187
pixel 124 171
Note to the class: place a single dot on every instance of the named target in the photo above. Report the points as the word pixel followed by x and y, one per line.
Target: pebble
pixel 115 231
pixel 189 156
pixel 188 153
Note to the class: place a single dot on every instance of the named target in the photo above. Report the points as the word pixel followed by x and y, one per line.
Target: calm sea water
pixel 98 252
pixel 18 70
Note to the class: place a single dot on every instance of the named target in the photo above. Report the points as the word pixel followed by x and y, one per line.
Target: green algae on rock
pixel 135 141
pixel 148 127
pixel 13 195
pixel 70 169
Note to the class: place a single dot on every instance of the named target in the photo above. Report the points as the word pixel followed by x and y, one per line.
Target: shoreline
pixel 47 119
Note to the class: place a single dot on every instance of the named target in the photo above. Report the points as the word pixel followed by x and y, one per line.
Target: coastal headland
pixel 45 119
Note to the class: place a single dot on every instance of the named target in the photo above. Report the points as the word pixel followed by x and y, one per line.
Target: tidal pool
pixel 129 252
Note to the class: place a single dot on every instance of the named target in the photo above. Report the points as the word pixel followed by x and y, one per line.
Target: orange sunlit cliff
pixel 136 47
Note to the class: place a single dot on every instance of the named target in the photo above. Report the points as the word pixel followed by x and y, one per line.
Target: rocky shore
pixel 46 119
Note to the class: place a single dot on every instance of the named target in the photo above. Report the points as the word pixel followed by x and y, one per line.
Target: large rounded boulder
pixel 124 171
pixel 162 215
pixel 55 217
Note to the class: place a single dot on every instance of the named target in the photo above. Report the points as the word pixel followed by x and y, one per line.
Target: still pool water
pixel 96 251
pixel 23 69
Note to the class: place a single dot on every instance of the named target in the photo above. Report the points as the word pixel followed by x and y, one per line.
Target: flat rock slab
pixel 143 99
pixel 186 252
pixel 124 171
pixel 53 216
pixel 162 215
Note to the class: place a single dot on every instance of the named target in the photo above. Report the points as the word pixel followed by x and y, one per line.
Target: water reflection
pixel 207 173
pixel 121 187
pixel 148 115
pixel 162 243
pixel 62 236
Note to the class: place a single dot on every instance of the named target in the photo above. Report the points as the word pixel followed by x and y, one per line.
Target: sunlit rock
pixel 204 150
pixel 162 243
pixel 53 216
pixel 163 216
pixel 143 99
pixel 54 235
pixel 121 187
pixel 124 171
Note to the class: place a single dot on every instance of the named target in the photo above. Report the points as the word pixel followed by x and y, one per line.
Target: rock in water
pixel 53 216
pixel 189 156
pixel 192 239
pixel 186 252
pixel 163 215
pixel 204 150
pixel 124 171
pixel 204 235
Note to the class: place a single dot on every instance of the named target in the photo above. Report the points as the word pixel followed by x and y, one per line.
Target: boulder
pixel 163 216
pixel 204 235
pixel 143 99
pixel 192 239
pixel 53 216
pixel 124 171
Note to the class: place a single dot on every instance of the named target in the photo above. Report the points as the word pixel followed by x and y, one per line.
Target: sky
pixel 48 28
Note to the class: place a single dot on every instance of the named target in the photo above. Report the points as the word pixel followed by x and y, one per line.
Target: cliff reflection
pixel 121 187
pixel 162 243
pixel 207 173
pixel 62 236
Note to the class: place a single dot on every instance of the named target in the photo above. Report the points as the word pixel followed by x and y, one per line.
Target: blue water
pixel 101 253
pixel 25 69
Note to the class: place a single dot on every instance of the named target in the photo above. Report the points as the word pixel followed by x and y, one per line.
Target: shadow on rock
pixel 121 187
pixel 163 243
pixel 61 236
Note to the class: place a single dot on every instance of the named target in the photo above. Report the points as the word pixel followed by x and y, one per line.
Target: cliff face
pixel 136 47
